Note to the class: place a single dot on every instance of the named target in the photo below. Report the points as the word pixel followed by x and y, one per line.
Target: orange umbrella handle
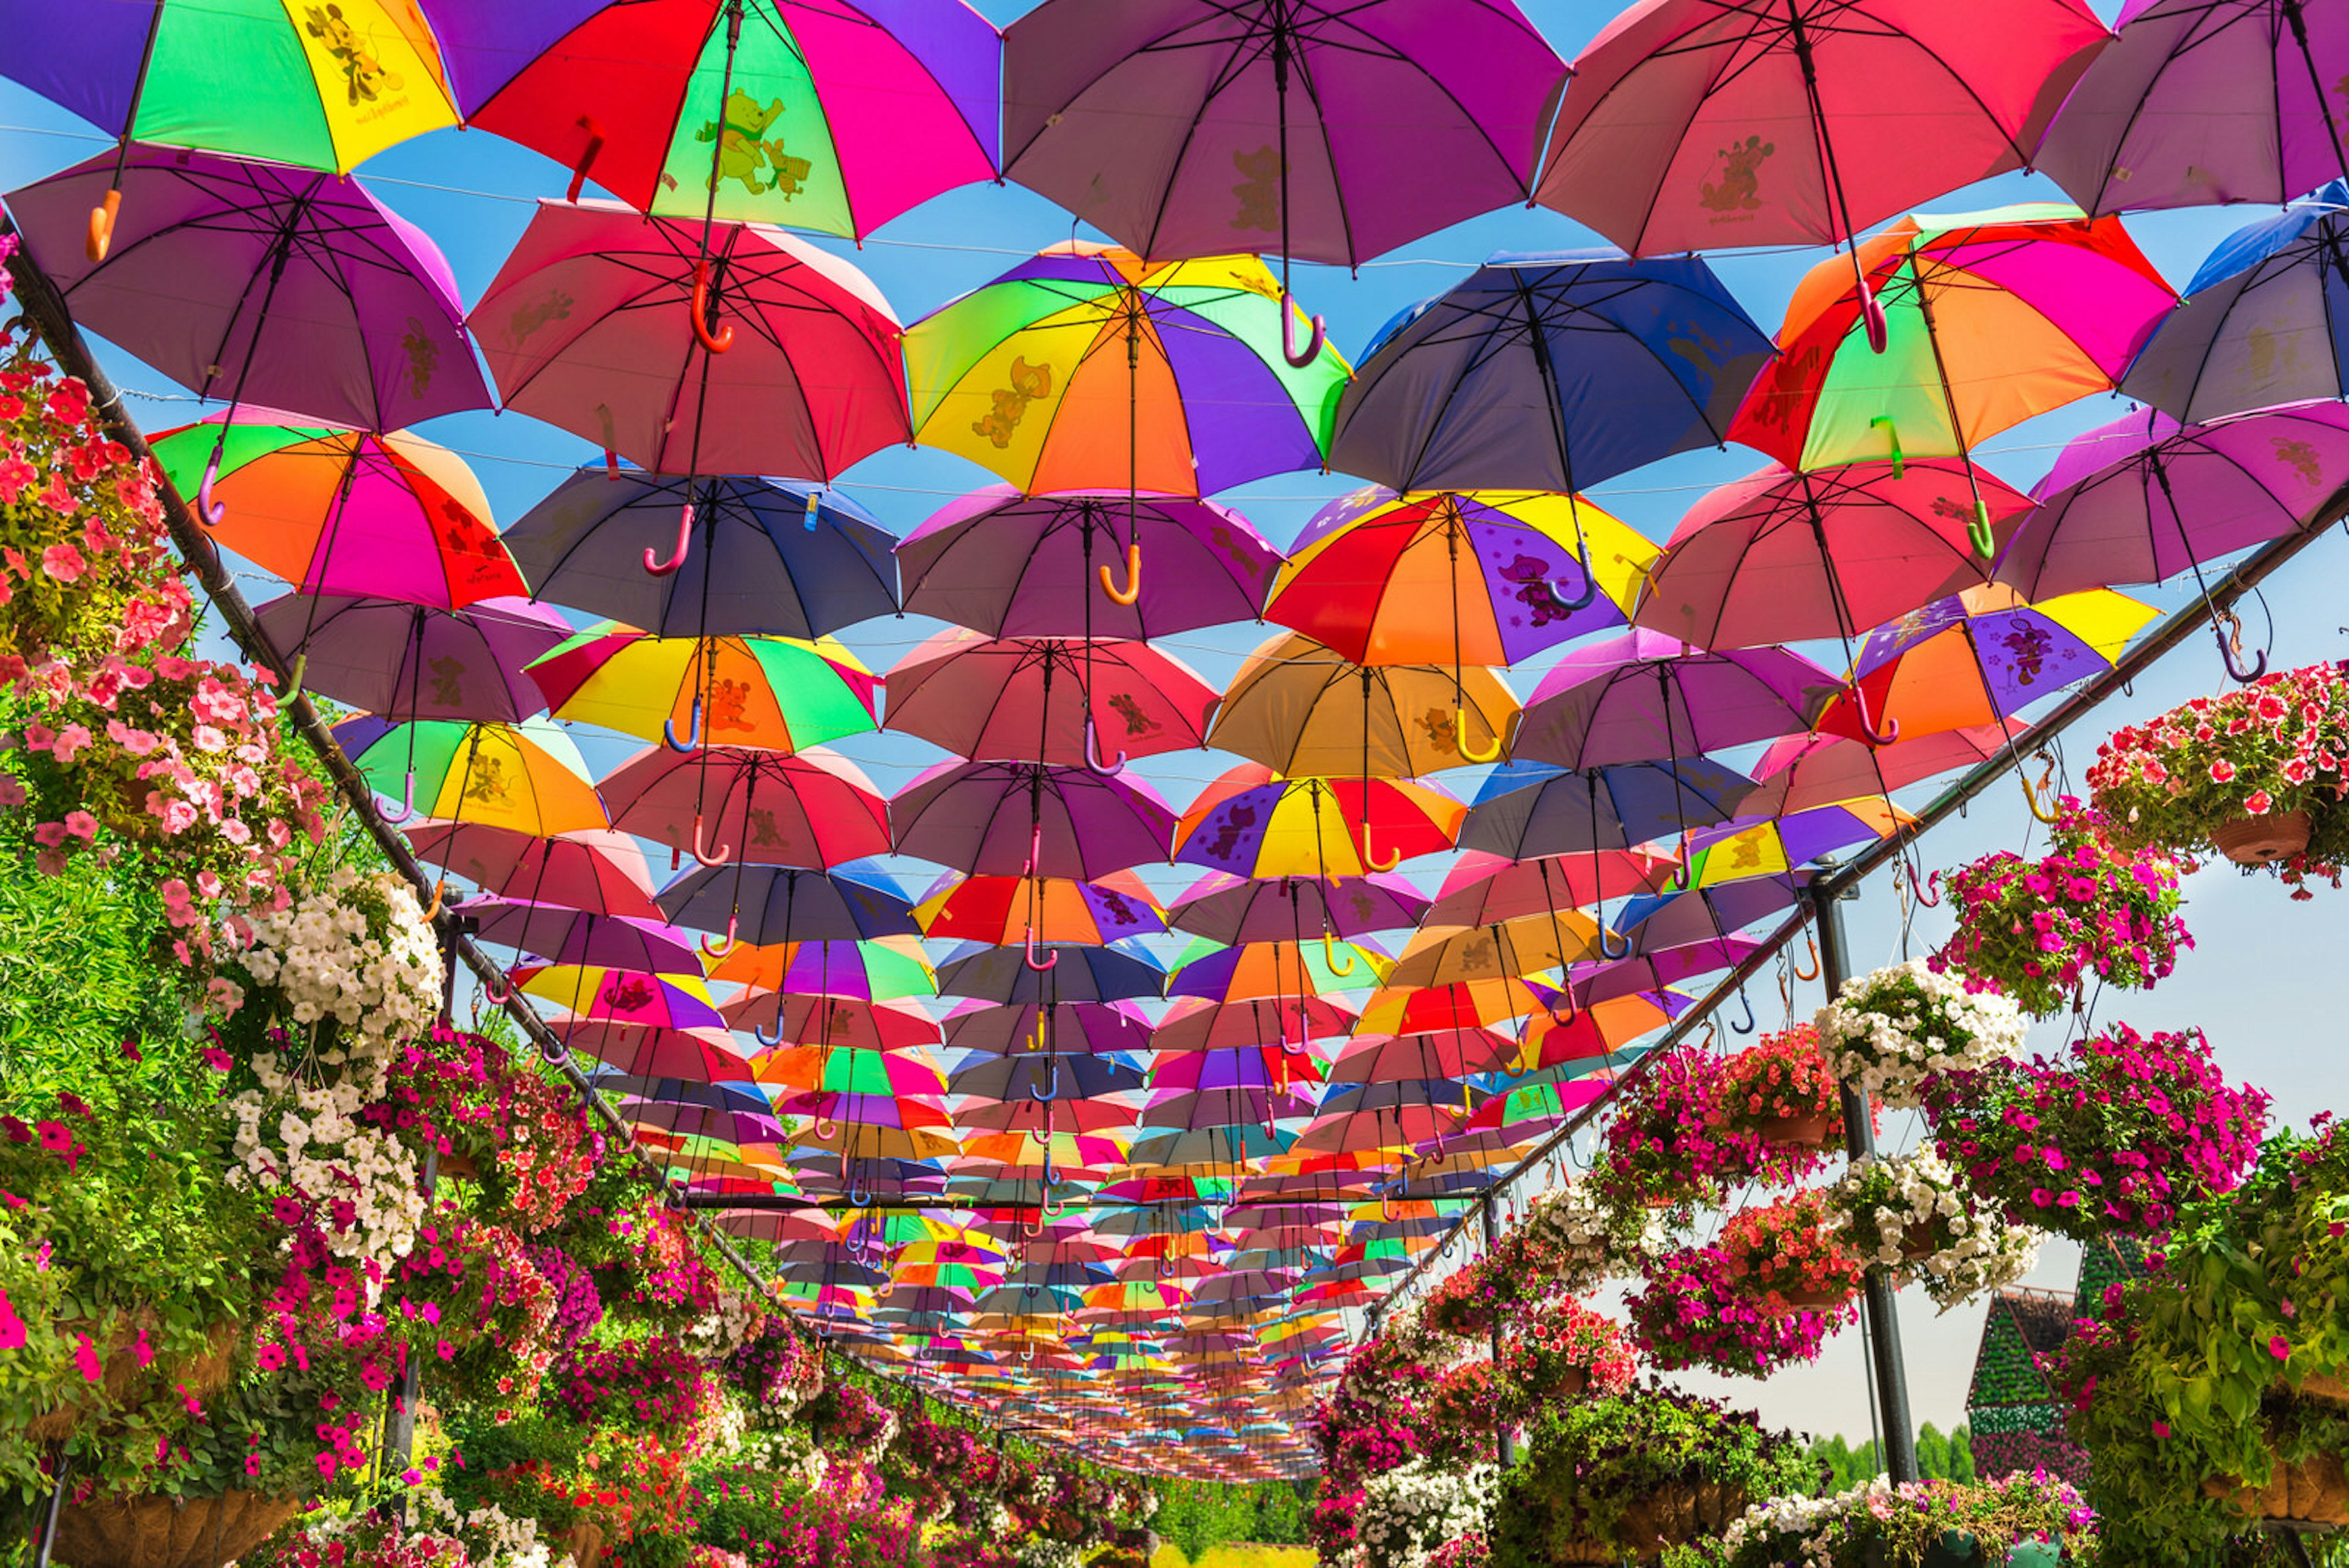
pixel 433 912
pixel 1369 858
pixel 1133 590
pixel 101 227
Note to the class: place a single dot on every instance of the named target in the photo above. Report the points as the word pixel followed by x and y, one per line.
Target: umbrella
pixel 1059 1028
pixel 260 284
pixel 1235 1145
pixel 1012 565
pixel 597 993
pixel 344 513
pixel 1249 823
pixel 777 1018
pixel 1989 319
pixel 1779 555
pixel 728 803
pixel 882 969
pixel 1448 1053
pixel 693 349
pixel 1029 820
pixel 1378 577
pixel 701 1056
pixel 1390 1127
pixel 1643 696
pixel 1197 1023
pixel 1062 973
pixel 1482 887
pixel 2144 498
pixel 1803 771
pixel 1084 368
pixel 910 1074
pixel 777 693
pixel 413 661
pixel 817 114
pixel 1278 969
pixel 1531 944
pixel 566 936
pixel 1463 1004
pixel 2199 102
pixel 1300 708
pixel 1599 1030
pixel 1042 1100
pixel 1021 1079
pixel 993 699
pixel 1739 849
pixel 1006 910
pixel 1659 921
pixel 1549 371
pixel 1804 123
pixel 793 560
pixel 1232 910
pixel 594 869
pixel 764 905
pixel 1526 810
pixel 528 777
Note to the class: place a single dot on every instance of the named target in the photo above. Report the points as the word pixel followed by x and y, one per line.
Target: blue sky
pixel 2253 982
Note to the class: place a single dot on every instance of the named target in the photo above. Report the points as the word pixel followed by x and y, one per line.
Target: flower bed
pixel 1888 1031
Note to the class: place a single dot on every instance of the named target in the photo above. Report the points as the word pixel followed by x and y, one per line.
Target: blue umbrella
pixel 1070 973
pixel 1549 371
pixel 2265 321
pixel 793 560
pixel 769 904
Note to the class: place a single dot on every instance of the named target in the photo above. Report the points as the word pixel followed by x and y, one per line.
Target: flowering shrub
pixel 650 1268
pixel 778 1370
pixel 1791 1255
pixel 355 951
pixel 1410 1511
pixel 1886 1031
pixel 1901 1523
pixel 1690 1313
pixel 1907 1214
pixel 848 1420
pixel 774 1521
pixel 2117 1137
pixel 2037 930
pixel 2260 750
pixel 651 1385
pixel 1465 1411
pixel 1666 1146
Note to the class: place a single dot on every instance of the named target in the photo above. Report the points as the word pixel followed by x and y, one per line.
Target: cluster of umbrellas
pixel 1114 1151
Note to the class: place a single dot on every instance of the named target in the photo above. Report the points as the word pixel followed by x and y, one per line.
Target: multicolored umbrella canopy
pixel 1250 823
pixel 528 777
pixel 770 693
pixel 1228 909
pixel 1031 819
pixel 1302 709
pixel 596 994
pixel 411 661
pixel 594 869
pixel 1643 697
pixel 882 969
pixel 813 114
pixel 1047 700
pixel 1008 909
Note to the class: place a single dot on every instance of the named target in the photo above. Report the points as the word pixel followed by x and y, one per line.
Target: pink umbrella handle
pixel 407 802
pixel 721 855
pixel 1028 955
pixel 212 513
pixel 1093 755
pixel 655 567
pixel 727 946
pixel 611 463
pixel 594 129
pixel 826 1129
pixel 1133 590
pixel 499 994
pixel 1299 359
pixel 716 342
pixel 1035 847
pixel 1034 1225
pixel 101 227
pixel 1386 1209
pixel 1869 731
pixel 1871 316
pixel 1928 893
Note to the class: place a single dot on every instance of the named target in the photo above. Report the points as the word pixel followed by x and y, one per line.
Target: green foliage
pixel 1939 1458
pixel 1198 1516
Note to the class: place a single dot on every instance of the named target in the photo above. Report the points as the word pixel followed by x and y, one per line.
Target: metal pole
pixel 1899 1449
pixel 49 1520
pixel 1507 1437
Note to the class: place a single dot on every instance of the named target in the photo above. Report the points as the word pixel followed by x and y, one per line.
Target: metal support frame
pixel 1503 1435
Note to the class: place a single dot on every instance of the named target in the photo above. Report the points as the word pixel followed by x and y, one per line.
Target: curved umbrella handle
pixel 1682 877
pixel 1027 955
pixel 1052 1174
pixel 433 912
pixel 759 1032
pixel 826 1129
pixel 692 739
pixel 1386 1209
pixel 211 513
pixel 1813 943
pixel 101 226
pixel 1751 1024
pixel 1330 956
pixel 1051 1087
pixel 1892 433
pixel 1928 892
pixel 1035 847
pixel 407 801
pixel 1608 949
pixel 1092 755
pixel 1590 593
pixel 1712 1034
pixel 2230 650
pixel 1033 1226
pixel 721 856
pixel 1867 730
pixel 1166 1267
pixel 292 690
pixel 726 947
pixel 1871 315
pixel 808 519
pixel 498 995
pixel 554 1052
pixel 594 129
pixel 1133 590
pixel 1369 858
pixel 1460 739
pixel 1977 531
pixel 716 342
pixel 656 568
pixel 2030 794
pixel 1315 339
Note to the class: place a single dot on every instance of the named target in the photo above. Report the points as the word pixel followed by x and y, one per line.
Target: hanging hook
pixel 858 1194
pixel 654 566
pixel 209 512
pixel 1028 955
pixel 1589 592
pixel 407 801
pixel 719 855
pixel 1133 590
pixel 594 129
pixel 1812 943
pixel 2230 650
pixel 1092 755
pixel 715 342
pixel 101 226
pixel 1330 956
pixel 1317 336
pixel 1748 1026
pixel 727 946
pixel 1369 856
pixel 2031 795
pixel 1460 739
pixel 1051 1086
pixel 1711 1033
pixel 1928 900
pixel 693 737
pixel 1867 730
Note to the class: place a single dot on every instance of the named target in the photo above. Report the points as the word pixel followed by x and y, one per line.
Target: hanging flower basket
pixel 201 1375
pixel 1791 1256
pixel 1891 1030
pixel 2313 1491
pixel 2263 840
pixel 1910 1215
pixel 157 1530
pixel 1805 1132
pixel 1780 1093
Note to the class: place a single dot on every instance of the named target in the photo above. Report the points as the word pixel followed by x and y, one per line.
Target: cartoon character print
pixel 763 830
pixel 1120 912
pixel 526 321
pixel 472 552
pixel 1781 401
pixel 1745 852
pixel 625 992
pixel 365 76
pixel 487 783
pixel 423 356
pixel 1955 510
pixel 728 705
pixel 744 155
pixel 1739 190
pixel 1478 955
pixel 1442 731
pixel 1532 577
pixel 1258 191
pixel 1028 382
pixel 1137 723
pixel 2027 644
pixel 446 674
pixel 1226 844
pixel 2301 458
pixel 1699 349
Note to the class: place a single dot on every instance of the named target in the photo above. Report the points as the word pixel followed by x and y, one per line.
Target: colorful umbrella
pixel 1480 578
pixel 528 776
pixel 1195 1023
pixel 413 661
pixel 345 513
pixel 739 802
pixel 1448 1053
pixel 1735 850
pixel 882 969
pixel 596 994
pixel 1549 371
pixel 764 905
pixel 1300 708
pixel 776 693
pixel 814 114
pixel 260 284
pixel 847 1070
pixel 703 1055
pixel 1034 973
pixel 1060 1028
pixel 1233 910
pixel 829 1020
pixel 1085 369
pixel 1531 944
pixel 1465 1004
pixel 793 560
pixel 1643 696
pixel 1281 971
pixel 1026 1079
pixel 993 700
pixel 594 869
pixel 1029 820
pixel 1249 823
pixel 566 936
pixel 693 349
pixel 1005 911
pixel 1527 810
pixel 1803 771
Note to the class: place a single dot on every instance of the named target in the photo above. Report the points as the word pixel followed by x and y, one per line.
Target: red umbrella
pixel 1066 701
pixel 1806 771
pixel 1482 887
pixel 813 809
pixel 1199 1024
pixel 594 869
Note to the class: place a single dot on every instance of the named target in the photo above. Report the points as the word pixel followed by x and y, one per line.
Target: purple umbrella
pixel 1234 909
pixel 1594 982
pixel 2204 102
pixel 1067 1029
pixel 262 284
pixel 2144 498
pixel 410 661
pixel 1031 819
pixel 566 936
pixel 1644 696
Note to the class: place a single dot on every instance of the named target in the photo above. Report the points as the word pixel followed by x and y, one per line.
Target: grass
pixel 1236 1554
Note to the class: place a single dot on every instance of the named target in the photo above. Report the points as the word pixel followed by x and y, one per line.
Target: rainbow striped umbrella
pixel 780 693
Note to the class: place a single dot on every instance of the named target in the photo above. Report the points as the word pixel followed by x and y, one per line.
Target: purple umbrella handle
pixel 719 855
pixel 212 511
pixel 2230 650
pixel 594 129
pixel 655 567
pixel 407 801
pixel 1165 1266
pixel 1319 335
pixel 1608 949
pixel 1590 593
pixel 101 226
pixel 1093 755
pixel 1928 893
pixel 684 747
pixel 732 920
pixel 1028 955
pixel 554 1052
pixel 1052 1088
pixel 1330 956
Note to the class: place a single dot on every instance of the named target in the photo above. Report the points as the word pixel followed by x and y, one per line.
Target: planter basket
pixel 159 1532
pixel 2320 1386
pixel 584 1544
pixel 1798 1132
pixel 2263 840
pixel 203 1375
pixel 2313 1491
pixel 1673 1517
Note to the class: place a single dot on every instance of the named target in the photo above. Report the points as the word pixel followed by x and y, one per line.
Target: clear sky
pixel 2255 983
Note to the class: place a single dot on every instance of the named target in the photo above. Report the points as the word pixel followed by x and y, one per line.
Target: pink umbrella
pixel 837 1022
pixel 812 809
pixel 1031 819
pixel 594 869
pixel 731 350
pixel 1484 887
pixel 1801 772
pixel 1052 700
pixel 1201 1024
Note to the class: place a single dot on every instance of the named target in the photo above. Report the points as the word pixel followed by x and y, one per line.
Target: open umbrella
pixel 1643 696
pixel 1029 820
pixel 1252 823
pixel 1526 810
pixel 411 661
pixel 743 802
pixel 883 968
pixel 598 994
pixel 1302 709
pixel 1037 974
pixel 528 776
pixel 832 1021
pixel 594 869
pixel 1278 969
pixel 1482 887
pixel 1047 700
pixel 1197 1023
pixel 566 936
pixel 775 693
pixel 260 284
pixel 344 513
pixel 1060 1028
pixel 693 348
pixel 1531 944
pixel 831 115
pixel 1545 372
pixel 764 905
pixel 794 560
pixel 1446 1053
pixel 1007 909
pixel 1233 910
pixel 1730 851
pixel 1803 771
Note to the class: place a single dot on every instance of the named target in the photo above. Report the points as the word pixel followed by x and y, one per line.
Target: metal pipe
pixel 1505 1436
